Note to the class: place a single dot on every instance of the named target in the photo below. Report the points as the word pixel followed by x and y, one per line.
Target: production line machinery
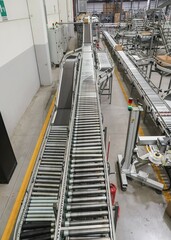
pixel 68 196
pixel 155 105
pixel 131 162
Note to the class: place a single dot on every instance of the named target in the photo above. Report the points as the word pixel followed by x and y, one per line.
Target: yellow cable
pixel 12 219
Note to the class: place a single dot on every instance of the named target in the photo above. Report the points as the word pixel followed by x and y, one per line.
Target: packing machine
pixel 68 196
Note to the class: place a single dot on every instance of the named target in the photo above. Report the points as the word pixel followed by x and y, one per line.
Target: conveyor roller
pixel 37 220
pixel 86 210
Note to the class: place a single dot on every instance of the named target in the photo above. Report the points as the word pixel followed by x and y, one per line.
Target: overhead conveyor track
pixel 159 109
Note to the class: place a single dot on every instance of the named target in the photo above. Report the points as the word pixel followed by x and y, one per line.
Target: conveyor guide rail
pixel 159 107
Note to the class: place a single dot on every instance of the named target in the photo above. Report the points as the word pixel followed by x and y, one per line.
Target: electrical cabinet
pixel 65 37
pixel 55 45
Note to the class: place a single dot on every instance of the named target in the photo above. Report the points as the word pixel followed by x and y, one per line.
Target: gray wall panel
pixel 43 59
pixel 19 81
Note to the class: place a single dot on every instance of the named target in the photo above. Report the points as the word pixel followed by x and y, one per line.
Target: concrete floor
pixel 141 209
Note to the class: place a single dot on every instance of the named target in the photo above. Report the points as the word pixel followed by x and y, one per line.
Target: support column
pixel 70 17
pixel 40 38
pixel 156 3
pixel 148 4
pixel 121 2
pixel 63 11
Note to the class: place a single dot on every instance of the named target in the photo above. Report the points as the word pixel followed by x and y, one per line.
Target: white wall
pixel 18 84
pixel 63 10
pixel 12 41
pixel 60 10
pixel 15 38
pixel 40 38
pixel 70 10
pixel 38 21
pixel 52 9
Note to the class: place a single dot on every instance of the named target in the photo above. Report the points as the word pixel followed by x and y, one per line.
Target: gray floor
pixel 141 209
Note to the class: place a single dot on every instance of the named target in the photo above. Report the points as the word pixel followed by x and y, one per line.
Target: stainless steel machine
pixel 55 38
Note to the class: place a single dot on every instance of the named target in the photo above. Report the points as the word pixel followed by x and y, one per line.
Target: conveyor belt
pixel 159 108
pixel 64 100
pixel 103 61
pixel 87 34
pixel 86 210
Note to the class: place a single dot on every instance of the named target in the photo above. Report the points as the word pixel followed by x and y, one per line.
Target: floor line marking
pixel 16 207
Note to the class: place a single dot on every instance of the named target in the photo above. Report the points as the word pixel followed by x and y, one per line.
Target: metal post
pixel 133 125
pixel 169 86
pixel 151 44
pixel 161 78
pixel 121 10
pixel 148 4
pixel 156 3
pixel 150 71
pixel 125 163
pixel 131 4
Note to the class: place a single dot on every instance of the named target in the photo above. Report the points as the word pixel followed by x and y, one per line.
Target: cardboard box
pixel 164 59
pixel 117 18
pixel 127 15
pixel 145 33
pixel 86 20
pixel 168 209
pixel 111 8
pixel 118 47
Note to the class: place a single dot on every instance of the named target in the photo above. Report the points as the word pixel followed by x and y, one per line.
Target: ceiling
pixel 92 1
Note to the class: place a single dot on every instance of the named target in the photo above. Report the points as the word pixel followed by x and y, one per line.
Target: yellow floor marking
pixel 13 216
pixel 156 169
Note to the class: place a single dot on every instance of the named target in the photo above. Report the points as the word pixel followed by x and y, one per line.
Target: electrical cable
pixel 166 169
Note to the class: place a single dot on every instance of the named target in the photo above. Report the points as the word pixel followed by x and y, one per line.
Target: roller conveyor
pixel 103 61
pixel 38 214
pixel 159 108
pixel 68 196
pixel 86 210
